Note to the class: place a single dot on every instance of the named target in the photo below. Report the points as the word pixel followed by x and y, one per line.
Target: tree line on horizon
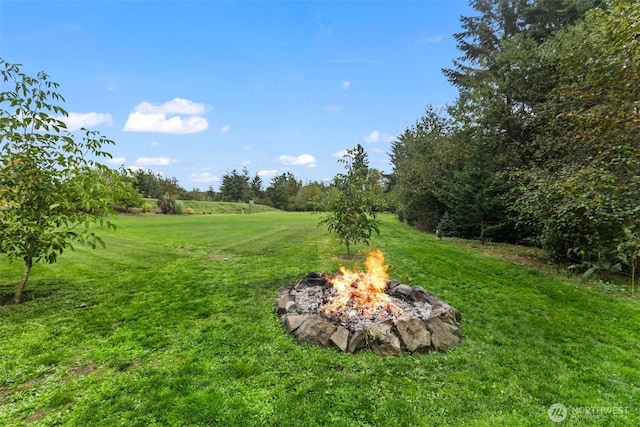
pixel 284 191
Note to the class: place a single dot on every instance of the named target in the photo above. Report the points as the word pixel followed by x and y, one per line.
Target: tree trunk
pixel 25 276
pixel 634 265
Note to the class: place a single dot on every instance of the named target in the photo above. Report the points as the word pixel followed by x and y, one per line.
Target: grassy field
pixel 225 207
pixel 202 207
pixel 173 324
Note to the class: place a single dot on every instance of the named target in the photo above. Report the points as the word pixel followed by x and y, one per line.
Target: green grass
pixel 173 324
pixel 201 207
pixel 225 207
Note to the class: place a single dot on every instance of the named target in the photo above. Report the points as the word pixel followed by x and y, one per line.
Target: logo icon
pixel 557 412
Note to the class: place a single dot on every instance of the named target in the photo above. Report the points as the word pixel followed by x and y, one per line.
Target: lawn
pixel 203 207
pixel 173 324
pixel 225 207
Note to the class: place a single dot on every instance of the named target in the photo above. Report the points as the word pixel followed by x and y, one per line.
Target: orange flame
pixel 361 293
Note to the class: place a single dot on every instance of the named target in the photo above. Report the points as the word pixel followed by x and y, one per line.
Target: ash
pixel 312 300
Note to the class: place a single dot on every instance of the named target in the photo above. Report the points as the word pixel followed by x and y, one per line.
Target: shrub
pixel 178 207
pixel 189 211
pixel 581 214
pixel 166 205
pixel 147 207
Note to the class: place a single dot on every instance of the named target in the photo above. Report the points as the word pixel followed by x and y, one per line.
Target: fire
pixel 362 293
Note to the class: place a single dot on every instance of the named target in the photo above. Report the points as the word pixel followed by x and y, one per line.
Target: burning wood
pixel 361 293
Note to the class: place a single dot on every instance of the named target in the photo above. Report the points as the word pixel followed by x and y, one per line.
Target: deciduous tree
pixel 52 187
pixel 351 212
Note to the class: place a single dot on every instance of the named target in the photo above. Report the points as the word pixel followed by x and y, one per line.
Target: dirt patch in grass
pixel 349 258
pixel 35 417
pixel 33 382
pixel 521 255
pixel 82 370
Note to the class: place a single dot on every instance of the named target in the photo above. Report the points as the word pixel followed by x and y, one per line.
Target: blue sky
pixel 195 89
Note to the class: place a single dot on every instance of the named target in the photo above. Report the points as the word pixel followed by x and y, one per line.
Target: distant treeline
pixel 283 191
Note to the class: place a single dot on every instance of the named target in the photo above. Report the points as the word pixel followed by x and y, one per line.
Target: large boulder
pixel 414 334
pixel 315 331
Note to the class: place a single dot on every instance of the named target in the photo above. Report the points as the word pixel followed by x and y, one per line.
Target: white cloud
pixel 155 118
pixel 301 160
pixel 332 108
pixel 204 178
pixel 225 128
pixel 375 136
pixel 267 173
pixel 155 144
pixel 76 121
pixel 429 40
pixel 245 163
pixel 340 154
pixel 154 161
pixel 117 161
pixel 175 106
pixel 346 84
pixel 139 122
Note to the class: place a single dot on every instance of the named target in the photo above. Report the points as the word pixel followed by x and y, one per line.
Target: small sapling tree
pixel 51 187
pixel 351 206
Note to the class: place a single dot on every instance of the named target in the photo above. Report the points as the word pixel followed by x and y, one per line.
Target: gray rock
pixel 414 334
pixel 376 330
pixel 281 307
pixel 392 284
pixel 420 294
pixel 382 340
pixel 284 290
pixel 315 331
pixel 315 279
pixel 358 341
pixel 293 321
pixel 340 338
pixel 291 306
pixel 401 291
pixel 444 336
pixel 453 316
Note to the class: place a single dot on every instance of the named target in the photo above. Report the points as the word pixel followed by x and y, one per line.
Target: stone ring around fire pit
pixel 422 323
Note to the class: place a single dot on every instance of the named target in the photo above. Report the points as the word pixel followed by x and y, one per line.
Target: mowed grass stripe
pixel 173 324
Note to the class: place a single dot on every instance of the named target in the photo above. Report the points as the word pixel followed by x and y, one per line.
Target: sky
pixel 195 89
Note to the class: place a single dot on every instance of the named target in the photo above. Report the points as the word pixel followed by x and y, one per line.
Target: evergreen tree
pixel 282 191
pixel 473 196
pixel 235 186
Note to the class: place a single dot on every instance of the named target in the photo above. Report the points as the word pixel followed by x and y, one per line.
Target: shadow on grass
pixel 38 289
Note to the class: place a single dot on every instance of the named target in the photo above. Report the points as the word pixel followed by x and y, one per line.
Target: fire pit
pixel 357 310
